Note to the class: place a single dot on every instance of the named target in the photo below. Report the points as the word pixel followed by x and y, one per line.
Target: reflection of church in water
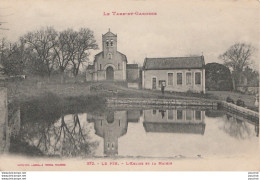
pixel 111 125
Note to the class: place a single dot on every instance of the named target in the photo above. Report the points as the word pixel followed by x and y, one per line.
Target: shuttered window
pixel 179 78
pixel 188 78
pixel 188 114
pixel 179 114
pixel 170 79
pixel 198 115
pixel 170 114
pixel 197 78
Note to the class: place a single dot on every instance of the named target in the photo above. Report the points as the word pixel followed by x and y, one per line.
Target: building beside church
pixel 180 74
pixel 110 64
pixel 180 120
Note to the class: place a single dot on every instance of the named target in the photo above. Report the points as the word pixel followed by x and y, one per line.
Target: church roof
pixel 99 53
pixel 109 34
pixel 122 55
pixel 195 62
pixel 102 53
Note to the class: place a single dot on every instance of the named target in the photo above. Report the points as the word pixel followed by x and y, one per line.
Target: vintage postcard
pixel 129 85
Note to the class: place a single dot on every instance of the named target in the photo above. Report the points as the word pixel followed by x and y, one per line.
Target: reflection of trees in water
pixel 214 113
pixel 42 130
pixel 236 128
pixel 64 138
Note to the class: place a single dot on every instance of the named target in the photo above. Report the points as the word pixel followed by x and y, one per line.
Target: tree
pixel 85 42
pixel 252 76
pixel 3 48
pixel 42 42
pixel 218 77
pixel 14 57
pixel 236 128
pixel 237 57
pixel 65 49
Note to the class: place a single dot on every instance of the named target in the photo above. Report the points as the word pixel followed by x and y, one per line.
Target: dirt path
pixel 155 94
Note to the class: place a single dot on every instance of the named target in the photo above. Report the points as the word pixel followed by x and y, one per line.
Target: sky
pixel 193 27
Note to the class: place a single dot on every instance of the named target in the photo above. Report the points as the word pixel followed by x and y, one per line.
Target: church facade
pixel 109 64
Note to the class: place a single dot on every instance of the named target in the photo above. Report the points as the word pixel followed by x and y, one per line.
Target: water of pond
pixel 132 132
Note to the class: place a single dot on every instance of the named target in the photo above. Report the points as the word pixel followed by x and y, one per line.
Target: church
pixel 109 64
pixel 111 125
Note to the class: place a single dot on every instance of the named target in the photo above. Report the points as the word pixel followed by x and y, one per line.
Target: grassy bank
pixel 75 92
pixel 23 90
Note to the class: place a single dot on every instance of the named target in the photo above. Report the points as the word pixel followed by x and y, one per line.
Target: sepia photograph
pixel 129 85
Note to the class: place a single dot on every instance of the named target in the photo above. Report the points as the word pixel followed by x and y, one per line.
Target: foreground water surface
pixel 129 132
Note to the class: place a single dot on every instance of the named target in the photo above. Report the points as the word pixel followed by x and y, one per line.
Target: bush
pixel 224 85
pixel 230 100
pixel 240 103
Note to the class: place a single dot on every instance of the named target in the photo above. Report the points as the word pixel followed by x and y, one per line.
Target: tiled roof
pixel 198 128
pixel 99 53
pixel 109 34
pixel 122 55
pixel 102 53
pixel 132 66
pixel 174 63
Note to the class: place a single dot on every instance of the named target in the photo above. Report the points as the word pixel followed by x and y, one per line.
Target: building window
pixel 118 66
pixel 179 114
pixel 112 145
pixel 188 78
pixel 179 78
pixel 188 115
pixel 154 111
pixel 111 43
pixel 170 79
pixel 107 43
pixel 198 115
pixel 170 114
pixel 153 83
pixel 100 67
pixel 197 78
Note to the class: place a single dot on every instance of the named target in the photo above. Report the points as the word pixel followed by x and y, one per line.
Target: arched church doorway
pixel 110 73
pixel 110 117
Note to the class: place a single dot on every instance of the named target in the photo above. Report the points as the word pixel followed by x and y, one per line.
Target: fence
pixel 241 111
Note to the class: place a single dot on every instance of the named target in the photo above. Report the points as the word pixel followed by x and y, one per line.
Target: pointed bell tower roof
pixel 109 33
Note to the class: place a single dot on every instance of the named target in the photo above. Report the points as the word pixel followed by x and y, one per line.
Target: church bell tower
pixel 109 44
